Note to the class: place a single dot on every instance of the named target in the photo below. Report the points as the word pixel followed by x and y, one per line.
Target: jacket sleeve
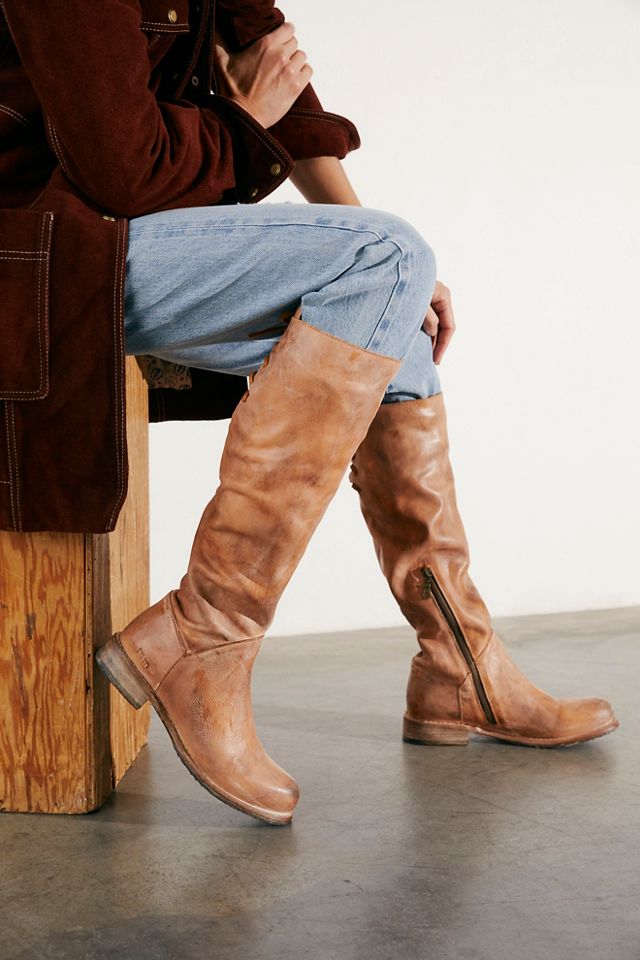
pixel 126 151
pixel 307 129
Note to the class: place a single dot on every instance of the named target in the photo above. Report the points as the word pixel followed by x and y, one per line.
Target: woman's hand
pixel 439 322
pixel 266 77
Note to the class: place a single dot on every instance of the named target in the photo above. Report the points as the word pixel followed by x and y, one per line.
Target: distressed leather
pixel 206 702
pixel 289 444
pixel 405 481
pixel 99 123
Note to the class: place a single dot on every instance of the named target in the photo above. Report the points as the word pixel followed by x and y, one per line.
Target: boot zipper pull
pixel 427 575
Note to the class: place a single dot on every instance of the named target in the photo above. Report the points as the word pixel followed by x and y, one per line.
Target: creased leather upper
pixel 286 451
pixel 407 493
pixel 289 443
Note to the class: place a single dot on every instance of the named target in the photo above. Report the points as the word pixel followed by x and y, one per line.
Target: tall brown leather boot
pixel 462 679
pixel 191 653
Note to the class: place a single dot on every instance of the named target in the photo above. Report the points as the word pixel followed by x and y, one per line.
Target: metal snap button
pixel 173 16
pixel 195 80
pixel 254 192
pixel 107 217
pixel 275 169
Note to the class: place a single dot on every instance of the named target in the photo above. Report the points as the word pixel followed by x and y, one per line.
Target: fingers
pixel 299 67
pixel 430 322
pixel 281 34
pixel 298 58
pixel 430 326
pixel 441 303
pixel 439 322
pixel 441 344
pixel 305 74
pixel 290 46
pixel 293 59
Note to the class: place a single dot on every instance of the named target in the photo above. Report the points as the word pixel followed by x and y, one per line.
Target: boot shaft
pixel 289 444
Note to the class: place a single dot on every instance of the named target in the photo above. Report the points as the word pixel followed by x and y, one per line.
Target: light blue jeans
pixel 214 287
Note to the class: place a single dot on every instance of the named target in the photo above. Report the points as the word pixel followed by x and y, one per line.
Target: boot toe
pixel 589 717
pixel 281 796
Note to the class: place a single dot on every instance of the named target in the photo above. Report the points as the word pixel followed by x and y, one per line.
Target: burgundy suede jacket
pixel 108 111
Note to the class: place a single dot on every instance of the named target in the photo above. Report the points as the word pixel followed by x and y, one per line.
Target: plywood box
pixel 66 735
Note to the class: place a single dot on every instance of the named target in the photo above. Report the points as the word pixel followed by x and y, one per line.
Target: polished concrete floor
pixel 484 852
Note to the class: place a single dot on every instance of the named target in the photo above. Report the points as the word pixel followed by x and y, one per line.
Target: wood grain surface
pixel 66 735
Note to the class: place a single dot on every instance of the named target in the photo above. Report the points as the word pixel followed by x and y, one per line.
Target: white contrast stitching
pixel 14 113
pixel 2 250
pixel 57 148
pixel 116 365
pixel 161 23
pixel 272 146
pixel 15 457
pixel 47 220
pixel 46 282
pixel 197 47
pixel 38 321
pixel 314 115
pixel 9 463
pixel 117 316
pixel 30 259
pixel 275 149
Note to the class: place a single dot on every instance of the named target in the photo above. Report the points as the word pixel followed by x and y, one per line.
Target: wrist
pixel 248 107
pixel 323 180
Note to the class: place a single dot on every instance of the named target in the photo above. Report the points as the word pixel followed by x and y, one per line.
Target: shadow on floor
pixel 483 852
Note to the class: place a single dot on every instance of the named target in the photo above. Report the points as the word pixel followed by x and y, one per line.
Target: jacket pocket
pixel 25 255
pixel 165 16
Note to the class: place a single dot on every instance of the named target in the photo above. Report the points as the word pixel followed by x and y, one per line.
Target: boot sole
pixel 116 666
pixel 432 733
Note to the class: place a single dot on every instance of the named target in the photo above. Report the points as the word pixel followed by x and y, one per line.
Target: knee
pixel 419 258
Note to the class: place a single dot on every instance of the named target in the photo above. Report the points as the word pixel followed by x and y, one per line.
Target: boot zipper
pixel 432 589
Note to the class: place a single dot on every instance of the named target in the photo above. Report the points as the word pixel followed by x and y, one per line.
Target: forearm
pixel 323 180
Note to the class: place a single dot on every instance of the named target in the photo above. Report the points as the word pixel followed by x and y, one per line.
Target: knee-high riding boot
pixel 191 653
pixel 462 679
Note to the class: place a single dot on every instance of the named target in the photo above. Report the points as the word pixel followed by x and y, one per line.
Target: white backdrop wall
pixel 507 132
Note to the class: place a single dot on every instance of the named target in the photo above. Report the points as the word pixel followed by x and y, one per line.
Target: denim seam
pixel 377 337
pixel 381 327
pixel 148 229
